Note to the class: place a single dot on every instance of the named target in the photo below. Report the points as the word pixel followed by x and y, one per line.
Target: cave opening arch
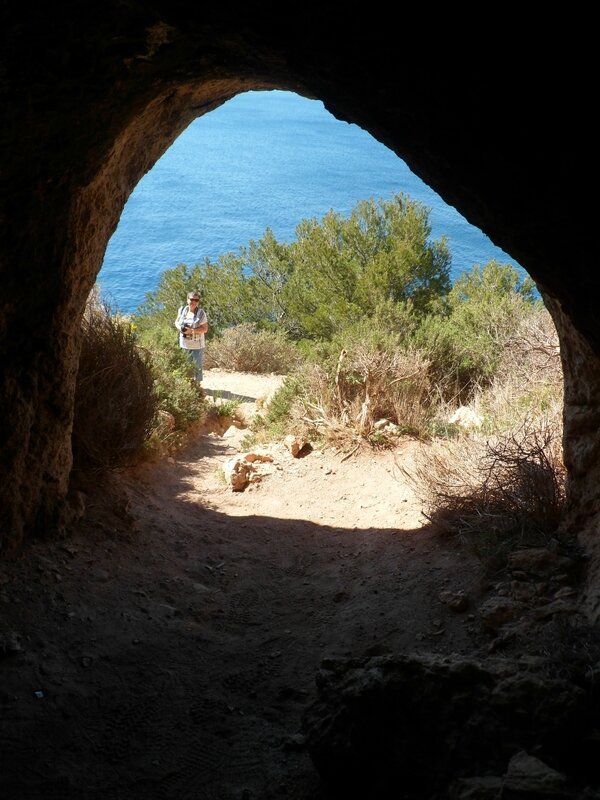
pixel 95 105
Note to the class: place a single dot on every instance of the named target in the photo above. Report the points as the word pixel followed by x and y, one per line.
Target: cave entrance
pixel 217 188
pixel 91 209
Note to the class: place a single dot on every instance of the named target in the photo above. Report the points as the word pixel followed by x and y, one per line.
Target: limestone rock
pixel 560 606
pixel 231 431
pixel 294 444
pixel 530 777
pixel 466 417
pixel 379 724
pixel 533 560
pixel 10 644
pixel 523 591
pixel 380 423
pixel 237 473
pixel 251 458
pixel 242 469
pixel 488 787
pixel 166 421
pixel 457 601
pixel 497 611
pixel 386 426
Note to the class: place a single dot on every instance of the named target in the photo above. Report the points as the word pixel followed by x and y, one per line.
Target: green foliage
pixel 378 262
pixel 372 335
pixel 231 293
pixel 223 408
pixel 390 329
pixel 173 387
pixel 491 283
pixel 372 285
pixel 158 313
pixel 227 408
pixel 465 336
pixel 346 269
pixel 225 295
pixel 270 264
pixel 278 419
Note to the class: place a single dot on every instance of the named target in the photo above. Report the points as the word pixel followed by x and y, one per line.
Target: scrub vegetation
pixel 376 342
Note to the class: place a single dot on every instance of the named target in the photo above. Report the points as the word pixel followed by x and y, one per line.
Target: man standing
pixel 192 324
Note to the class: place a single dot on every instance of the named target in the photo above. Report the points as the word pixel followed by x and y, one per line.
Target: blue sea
pixel 263 159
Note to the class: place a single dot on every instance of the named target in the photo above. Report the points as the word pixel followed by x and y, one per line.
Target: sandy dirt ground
pixel 168 647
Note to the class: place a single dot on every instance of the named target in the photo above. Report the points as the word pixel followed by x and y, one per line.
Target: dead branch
pixel 338 390
pixel 350 454
pixel 406 377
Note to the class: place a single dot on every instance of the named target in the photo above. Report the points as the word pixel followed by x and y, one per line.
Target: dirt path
pixel 168 649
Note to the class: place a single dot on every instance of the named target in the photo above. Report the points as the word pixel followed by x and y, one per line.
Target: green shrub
pixel 115 402
pixel 465 338
pixel 284 411
pixel 370 264
pixel 245 349
pixel 375 335
pixel 176 393
pixel 346 268
pixel 228 294
pixel 223 408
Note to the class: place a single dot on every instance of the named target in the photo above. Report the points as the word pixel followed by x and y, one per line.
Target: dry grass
pixel 529 380
pixel 369 387
pixel 244 349
pixel 499 493
pixel 503 486
pixel 533 350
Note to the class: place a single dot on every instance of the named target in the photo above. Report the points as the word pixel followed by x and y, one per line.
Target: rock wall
pixel 426 727
pixel 581 369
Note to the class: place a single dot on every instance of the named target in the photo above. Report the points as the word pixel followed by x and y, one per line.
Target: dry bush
pixel 245 349
pixel 368 385
pixel 114 400
pixel 533 351
pixel 528 381
pixel 499 493
pixel 504 485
